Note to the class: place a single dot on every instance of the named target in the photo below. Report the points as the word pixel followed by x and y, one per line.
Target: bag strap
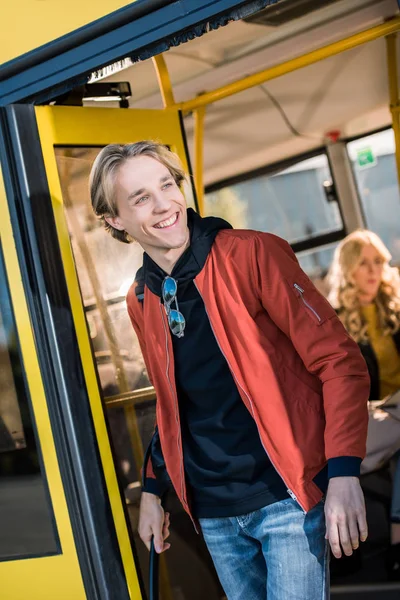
pixel 139 289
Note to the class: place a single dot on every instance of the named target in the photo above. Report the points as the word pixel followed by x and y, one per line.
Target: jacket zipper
pixel 301 292
pixel 289 491
pixel 176 407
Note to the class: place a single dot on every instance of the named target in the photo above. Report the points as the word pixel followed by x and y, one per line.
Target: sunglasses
pixel 176 320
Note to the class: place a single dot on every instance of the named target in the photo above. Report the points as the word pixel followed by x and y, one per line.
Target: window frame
pixel 316 241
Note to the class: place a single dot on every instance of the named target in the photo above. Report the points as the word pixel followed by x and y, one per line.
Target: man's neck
pixel 167 259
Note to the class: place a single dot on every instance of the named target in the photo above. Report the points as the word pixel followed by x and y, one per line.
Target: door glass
pixel 27 526
pixel 374 165
pixel 106 268
pixel 295 203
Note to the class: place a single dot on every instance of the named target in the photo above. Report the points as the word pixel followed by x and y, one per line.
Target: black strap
pixel 153 572
pixel 139 289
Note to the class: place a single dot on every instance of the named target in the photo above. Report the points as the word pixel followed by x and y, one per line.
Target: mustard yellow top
pixel 386 352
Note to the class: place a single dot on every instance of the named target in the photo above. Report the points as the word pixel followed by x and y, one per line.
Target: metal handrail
pixel 132 398
pixel 288 66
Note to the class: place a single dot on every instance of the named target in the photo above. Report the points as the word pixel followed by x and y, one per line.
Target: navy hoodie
pixel 227 470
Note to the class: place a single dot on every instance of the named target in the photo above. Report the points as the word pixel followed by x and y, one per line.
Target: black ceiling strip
pixel 170 23
pixel 58 353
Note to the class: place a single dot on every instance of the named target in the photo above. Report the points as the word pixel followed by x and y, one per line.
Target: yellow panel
pixel 28 24
pixel 52 577
pixel 75 126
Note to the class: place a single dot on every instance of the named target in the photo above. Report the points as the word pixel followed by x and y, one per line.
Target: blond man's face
pixel 151 207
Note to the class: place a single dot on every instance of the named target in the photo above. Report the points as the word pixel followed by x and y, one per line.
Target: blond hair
pixel 344 294
pixel 105 168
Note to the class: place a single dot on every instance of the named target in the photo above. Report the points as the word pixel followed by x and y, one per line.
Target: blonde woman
pixel 365 290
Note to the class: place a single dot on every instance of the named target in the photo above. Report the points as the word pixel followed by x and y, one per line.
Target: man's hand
pixel 153 521
pixel 346 521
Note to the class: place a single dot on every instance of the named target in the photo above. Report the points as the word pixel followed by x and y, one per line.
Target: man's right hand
pixel 153 521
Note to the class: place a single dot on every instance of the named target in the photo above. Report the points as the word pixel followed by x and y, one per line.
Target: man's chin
pixel 176 243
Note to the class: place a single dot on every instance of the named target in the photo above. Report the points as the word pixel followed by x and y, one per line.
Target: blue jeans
pixel 277 552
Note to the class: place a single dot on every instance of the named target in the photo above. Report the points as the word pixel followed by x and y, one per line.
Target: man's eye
pixel 167 185
pixel 141 200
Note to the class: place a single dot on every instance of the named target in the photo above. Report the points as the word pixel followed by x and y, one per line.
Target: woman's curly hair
pixel 344 294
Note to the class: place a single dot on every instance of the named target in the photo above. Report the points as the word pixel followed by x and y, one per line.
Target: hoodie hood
pixel 203 232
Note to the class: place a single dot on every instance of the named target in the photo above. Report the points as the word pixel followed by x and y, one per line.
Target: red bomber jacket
pixel 300 375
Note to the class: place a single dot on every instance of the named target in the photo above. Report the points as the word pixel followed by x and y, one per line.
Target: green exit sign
pixel 365 158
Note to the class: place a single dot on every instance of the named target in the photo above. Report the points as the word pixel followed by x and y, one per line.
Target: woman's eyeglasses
pixel 176 320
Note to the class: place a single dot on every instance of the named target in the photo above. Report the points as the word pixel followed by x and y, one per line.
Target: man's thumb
pixel 158 542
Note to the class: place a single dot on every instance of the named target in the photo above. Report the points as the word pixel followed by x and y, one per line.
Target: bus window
pixel 292 203
pixel 26 516
pixel 374 166
pixel 316 263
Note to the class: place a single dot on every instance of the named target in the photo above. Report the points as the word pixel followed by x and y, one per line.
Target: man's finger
pixel 353 530
pixel 166 526
pixel 166 532
pixel 362 525
pixel 158 540
pixel 333 537
pixel 344 536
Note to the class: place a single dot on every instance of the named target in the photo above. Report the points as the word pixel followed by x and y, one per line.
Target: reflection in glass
pixel 291 203
pixel 11 431
pixel 374 166
pixel 26 518
pixel 106 268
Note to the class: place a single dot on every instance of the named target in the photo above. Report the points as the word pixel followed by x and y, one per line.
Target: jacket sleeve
pixel 150 483
pixel 326 349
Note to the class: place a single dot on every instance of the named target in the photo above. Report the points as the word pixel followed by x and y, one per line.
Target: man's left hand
pixel 346 521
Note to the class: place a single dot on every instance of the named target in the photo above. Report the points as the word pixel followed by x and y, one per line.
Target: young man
pixel 261 394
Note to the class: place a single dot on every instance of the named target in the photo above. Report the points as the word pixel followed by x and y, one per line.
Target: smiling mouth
pixel 168 222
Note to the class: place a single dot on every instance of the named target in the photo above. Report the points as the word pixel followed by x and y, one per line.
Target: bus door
pixel 98 271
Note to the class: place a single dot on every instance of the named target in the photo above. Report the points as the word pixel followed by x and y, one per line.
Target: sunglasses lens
pixel 176 322
pixel 169 289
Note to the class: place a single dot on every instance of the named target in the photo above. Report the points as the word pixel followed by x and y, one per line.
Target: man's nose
pixel 161 202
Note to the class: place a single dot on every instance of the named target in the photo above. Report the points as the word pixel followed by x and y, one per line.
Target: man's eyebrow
pixel 136 193
pixel 165 178
pixel 142 190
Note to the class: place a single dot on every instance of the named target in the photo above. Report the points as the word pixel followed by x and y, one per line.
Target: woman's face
pixel 368 274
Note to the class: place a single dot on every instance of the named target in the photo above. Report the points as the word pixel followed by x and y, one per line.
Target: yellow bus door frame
pixel 37 577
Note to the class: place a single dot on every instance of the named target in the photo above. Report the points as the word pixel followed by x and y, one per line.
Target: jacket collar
pixel 203 232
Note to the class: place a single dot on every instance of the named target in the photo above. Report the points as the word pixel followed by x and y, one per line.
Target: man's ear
pixel 114 222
